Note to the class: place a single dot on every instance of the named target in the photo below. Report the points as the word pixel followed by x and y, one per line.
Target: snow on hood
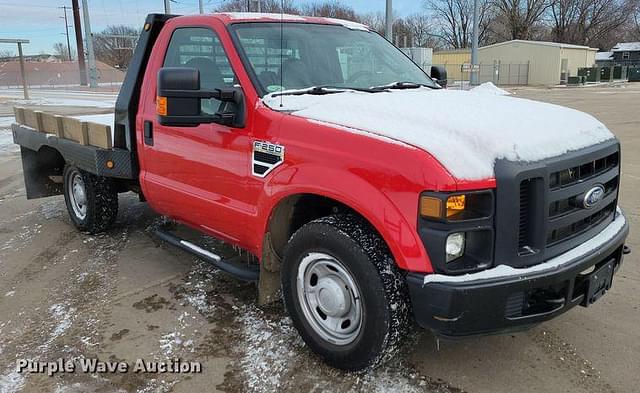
pixel 466 131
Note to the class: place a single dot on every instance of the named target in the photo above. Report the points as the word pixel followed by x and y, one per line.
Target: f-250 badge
pixel 266 157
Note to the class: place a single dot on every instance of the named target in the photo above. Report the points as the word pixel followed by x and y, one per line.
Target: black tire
pixel 100 204
pixel 385 317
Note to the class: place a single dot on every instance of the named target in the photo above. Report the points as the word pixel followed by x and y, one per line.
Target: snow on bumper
pixel 504 271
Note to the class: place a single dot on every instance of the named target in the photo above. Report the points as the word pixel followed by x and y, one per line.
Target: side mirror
pixel 179 100
pixel 439 74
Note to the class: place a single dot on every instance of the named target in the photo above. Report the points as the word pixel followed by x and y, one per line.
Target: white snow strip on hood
pixel 466 131
pixel 504 271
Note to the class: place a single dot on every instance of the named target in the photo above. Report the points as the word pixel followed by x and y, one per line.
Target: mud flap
pixel 37 171
pixel 269 283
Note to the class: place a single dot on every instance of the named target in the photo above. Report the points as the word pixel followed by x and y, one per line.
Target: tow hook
pixel 626 250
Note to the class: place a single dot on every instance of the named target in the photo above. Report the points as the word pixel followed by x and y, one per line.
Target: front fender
pixel 356 192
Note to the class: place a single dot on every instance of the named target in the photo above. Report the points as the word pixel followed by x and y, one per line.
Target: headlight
pixel 455 246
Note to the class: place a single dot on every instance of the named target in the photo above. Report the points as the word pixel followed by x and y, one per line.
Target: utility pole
pixel 66 26
pixel 474 46
pixel 201 6
pixel 389 22
pixel 167 7
pixel 25 89
pixel 93 72
pixel 79 46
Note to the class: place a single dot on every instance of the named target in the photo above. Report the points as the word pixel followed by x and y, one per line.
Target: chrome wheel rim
pixel 329 298
pixel 77 195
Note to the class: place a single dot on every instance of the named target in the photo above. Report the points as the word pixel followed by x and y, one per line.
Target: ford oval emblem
pixel 593 196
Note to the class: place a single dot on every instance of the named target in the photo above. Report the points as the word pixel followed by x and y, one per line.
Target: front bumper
pixel 505 299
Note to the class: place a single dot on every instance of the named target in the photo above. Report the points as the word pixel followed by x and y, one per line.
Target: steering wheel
pixel 358 75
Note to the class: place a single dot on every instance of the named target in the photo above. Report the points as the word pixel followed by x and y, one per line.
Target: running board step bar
pixel 231 266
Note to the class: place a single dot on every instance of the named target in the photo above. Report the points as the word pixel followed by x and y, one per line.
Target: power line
pixel 66 27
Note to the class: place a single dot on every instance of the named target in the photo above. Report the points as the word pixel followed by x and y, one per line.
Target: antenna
pixel 281 49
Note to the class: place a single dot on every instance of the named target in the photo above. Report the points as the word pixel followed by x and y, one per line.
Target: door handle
pixel 148 133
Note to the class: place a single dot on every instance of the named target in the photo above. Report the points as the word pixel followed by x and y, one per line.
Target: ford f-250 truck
pixel 366 192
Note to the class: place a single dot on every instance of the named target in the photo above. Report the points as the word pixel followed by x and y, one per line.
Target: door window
pixel 199 47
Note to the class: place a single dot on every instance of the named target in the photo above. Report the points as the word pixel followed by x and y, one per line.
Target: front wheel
pixel 345 295
pixel 92 201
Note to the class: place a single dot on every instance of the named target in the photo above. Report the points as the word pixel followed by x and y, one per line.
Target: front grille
pixel 583 172
pixel 524 215
pixel 565 216
pixel 576 228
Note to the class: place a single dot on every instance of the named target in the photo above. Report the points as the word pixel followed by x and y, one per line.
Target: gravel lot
pixel 123 295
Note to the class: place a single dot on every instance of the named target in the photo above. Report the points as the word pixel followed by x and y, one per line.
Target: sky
pixel 41 22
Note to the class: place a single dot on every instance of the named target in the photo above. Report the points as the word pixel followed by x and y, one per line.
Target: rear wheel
pixel 92 201
pixel 345 295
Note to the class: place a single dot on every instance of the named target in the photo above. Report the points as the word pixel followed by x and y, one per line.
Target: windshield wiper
pixel 324 90
pixel 403 86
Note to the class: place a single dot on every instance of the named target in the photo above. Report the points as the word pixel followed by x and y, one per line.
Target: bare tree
pixel 590 22
pixel 521 17
pixel 330 9
pixel 272 6
pixel 423 31
pixel 115 45
pixel 375 21
pixel 61 51
pixel 6 54
pixel 454 19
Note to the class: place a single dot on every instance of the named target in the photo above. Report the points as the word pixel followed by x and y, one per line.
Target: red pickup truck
pixel 365 191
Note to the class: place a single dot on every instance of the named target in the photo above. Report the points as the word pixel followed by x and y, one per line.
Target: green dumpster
pixel 605 74
pixel 634 74
pixel 617 72
pixel 575 80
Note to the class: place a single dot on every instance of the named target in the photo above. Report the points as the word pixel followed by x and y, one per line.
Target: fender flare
pixel 354 192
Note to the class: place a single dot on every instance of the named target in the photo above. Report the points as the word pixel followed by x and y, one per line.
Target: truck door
pixel 195 174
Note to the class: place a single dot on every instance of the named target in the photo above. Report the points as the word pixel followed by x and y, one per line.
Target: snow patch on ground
pixel 503 271
pixel 22 239
pixel 59 101
pixel 490 88
pixel 11 382
pixel 268 350
pixel 6 121
pixel 6 137
pixel 62 315
pixel 273 353
pixel 6 142
pixel 174 343
pixel 467 132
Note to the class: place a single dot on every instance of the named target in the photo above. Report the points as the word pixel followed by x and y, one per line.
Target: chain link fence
pixel 500 74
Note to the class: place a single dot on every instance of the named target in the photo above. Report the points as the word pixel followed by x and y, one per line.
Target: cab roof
pixel 243 17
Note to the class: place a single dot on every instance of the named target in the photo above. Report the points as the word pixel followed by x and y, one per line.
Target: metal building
pixel 549 62
pixel 453 60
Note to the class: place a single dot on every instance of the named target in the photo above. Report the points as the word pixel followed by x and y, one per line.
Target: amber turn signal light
pixel 161 106
pixel 430 207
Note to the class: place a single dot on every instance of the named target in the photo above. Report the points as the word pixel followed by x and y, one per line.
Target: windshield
pixel 322 55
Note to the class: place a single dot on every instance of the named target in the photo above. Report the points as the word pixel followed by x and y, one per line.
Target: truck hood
pixel 467 131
